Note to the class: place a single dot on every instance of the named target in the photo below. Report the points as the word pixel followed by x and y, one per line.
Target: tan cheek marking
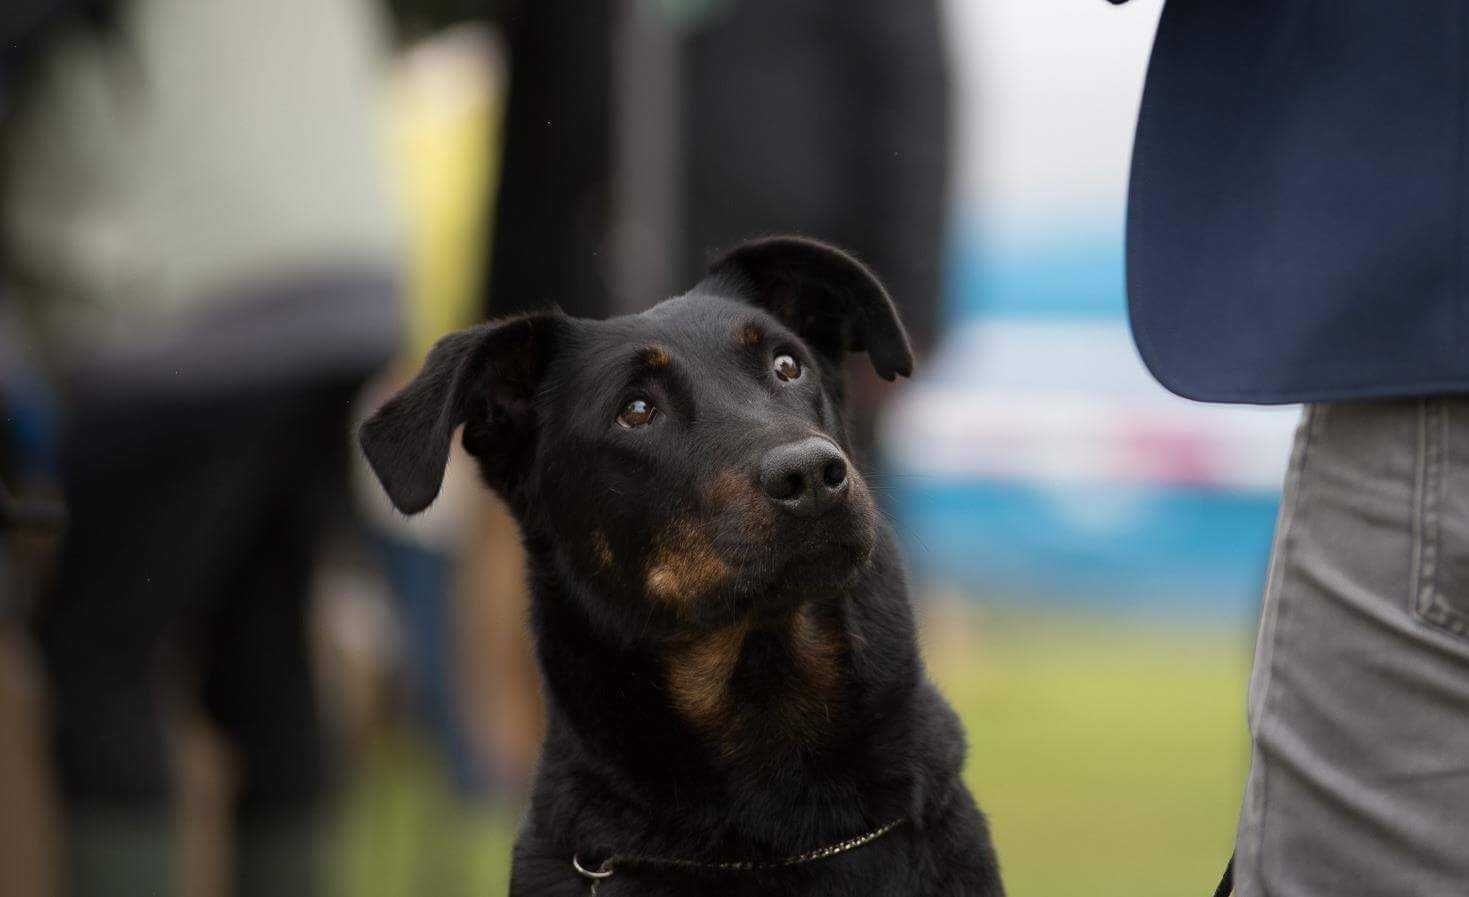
pixel 728 487
pixel 733 490
pixel 602 550
pixel 655 357
pixel 685 566
pixel 699 673
pixel 749 336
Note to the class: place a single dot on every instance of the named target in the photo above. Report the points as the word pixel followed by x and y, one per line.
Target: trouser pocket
pixel 1441 519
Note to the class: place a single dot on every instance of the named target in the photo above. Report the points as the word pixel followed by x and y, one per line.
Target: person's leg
pixel 260 689
pixel 1359 700
pixel 99 637
pixel 259 682
pixel 149 526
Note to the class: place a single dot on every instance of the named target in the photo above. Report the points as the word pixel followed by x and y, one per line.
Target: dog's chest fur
pixel 759 740
pixel 751 688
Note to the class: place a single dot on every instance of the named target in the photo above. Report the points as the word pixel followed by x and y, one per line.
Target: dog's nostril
pixel 806 477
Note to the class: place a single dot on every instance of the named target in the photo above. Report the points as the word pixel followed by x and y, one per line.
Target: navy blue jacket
pixel 1296 225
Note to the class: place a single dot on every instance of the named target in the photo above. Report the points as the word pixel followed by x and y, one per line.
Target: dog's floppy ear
pixel 830 299
pixel 485 378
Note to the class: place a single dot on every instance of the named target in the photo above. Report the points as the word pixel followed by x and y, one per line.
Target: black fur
pixel 724 680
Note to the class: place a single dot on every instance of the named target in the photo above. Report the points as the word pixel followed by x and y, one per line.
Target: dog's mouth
pixel 742 555
pixel 840 550
pixel 791 565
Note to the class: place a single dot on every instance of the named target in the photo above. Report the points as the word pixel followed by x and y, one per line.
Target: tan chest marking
pixel 817 652
pixel 793 710
pixel 699 674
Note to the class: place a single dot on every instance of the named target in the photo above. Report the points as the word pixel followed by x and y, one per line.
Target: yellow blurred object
pixel 447 99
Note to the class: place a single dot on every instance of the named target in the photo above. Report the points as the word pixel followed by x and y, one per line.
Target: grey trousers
pixel 1359 699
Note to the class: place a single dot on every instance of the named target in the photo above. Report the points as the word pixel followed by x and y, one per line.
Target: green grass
pixel 1108 755
pixel 403 834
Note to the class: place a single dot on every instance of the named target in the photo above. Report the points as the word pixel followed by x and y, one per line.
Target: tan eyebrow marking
pixel 602 549
pixel 749 335
pixel 685 566
pixel 654 357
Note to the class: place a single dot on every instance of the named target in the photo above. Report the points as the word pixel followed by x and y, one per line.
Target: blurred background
pixel 228 230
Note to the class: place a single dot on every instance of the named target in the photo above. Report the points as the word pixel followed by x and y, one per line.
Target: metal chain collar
pixel 609 865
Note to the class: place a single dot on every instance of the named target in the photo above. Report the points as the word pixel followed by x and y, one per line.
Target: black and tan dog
pixel 736 701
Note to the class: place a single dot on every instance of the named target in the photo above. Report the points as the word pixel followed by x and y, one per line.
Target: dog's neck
pixel 754 688
pixel 769 699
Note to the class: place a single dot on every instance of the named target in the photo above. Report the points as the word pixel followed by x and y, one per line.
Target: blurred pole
pixel 551 241
pixel 648 157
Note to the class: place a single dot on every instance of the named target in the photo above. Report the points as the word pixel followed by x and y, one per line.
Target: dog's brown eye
pixel 637 413
pixel 786 367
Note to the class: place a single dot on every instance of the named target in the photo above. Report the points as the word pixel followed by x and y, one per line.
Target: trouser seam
pixel 1275 585
pixel 1425 513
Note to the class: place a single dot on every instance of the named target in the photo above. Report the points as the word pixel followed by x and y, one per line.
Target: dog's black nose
pixel 805 478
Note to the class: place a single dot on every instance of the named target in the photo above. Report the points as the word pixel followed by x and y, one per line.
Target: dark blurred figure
pixel 553 212
pixel 823 118
pixel 194 214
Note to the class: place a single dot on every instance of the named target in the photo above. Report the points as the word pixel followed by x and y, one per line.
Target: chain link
pixel 608 866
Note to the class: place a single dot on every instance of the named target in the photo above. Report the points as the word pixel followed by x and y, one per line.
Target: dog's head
pixel 690 464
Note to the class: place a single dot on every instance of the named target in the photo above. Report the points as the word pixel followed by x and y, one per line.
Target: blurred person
pixel 824 118
pixel 1296 234
pixel 194 215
